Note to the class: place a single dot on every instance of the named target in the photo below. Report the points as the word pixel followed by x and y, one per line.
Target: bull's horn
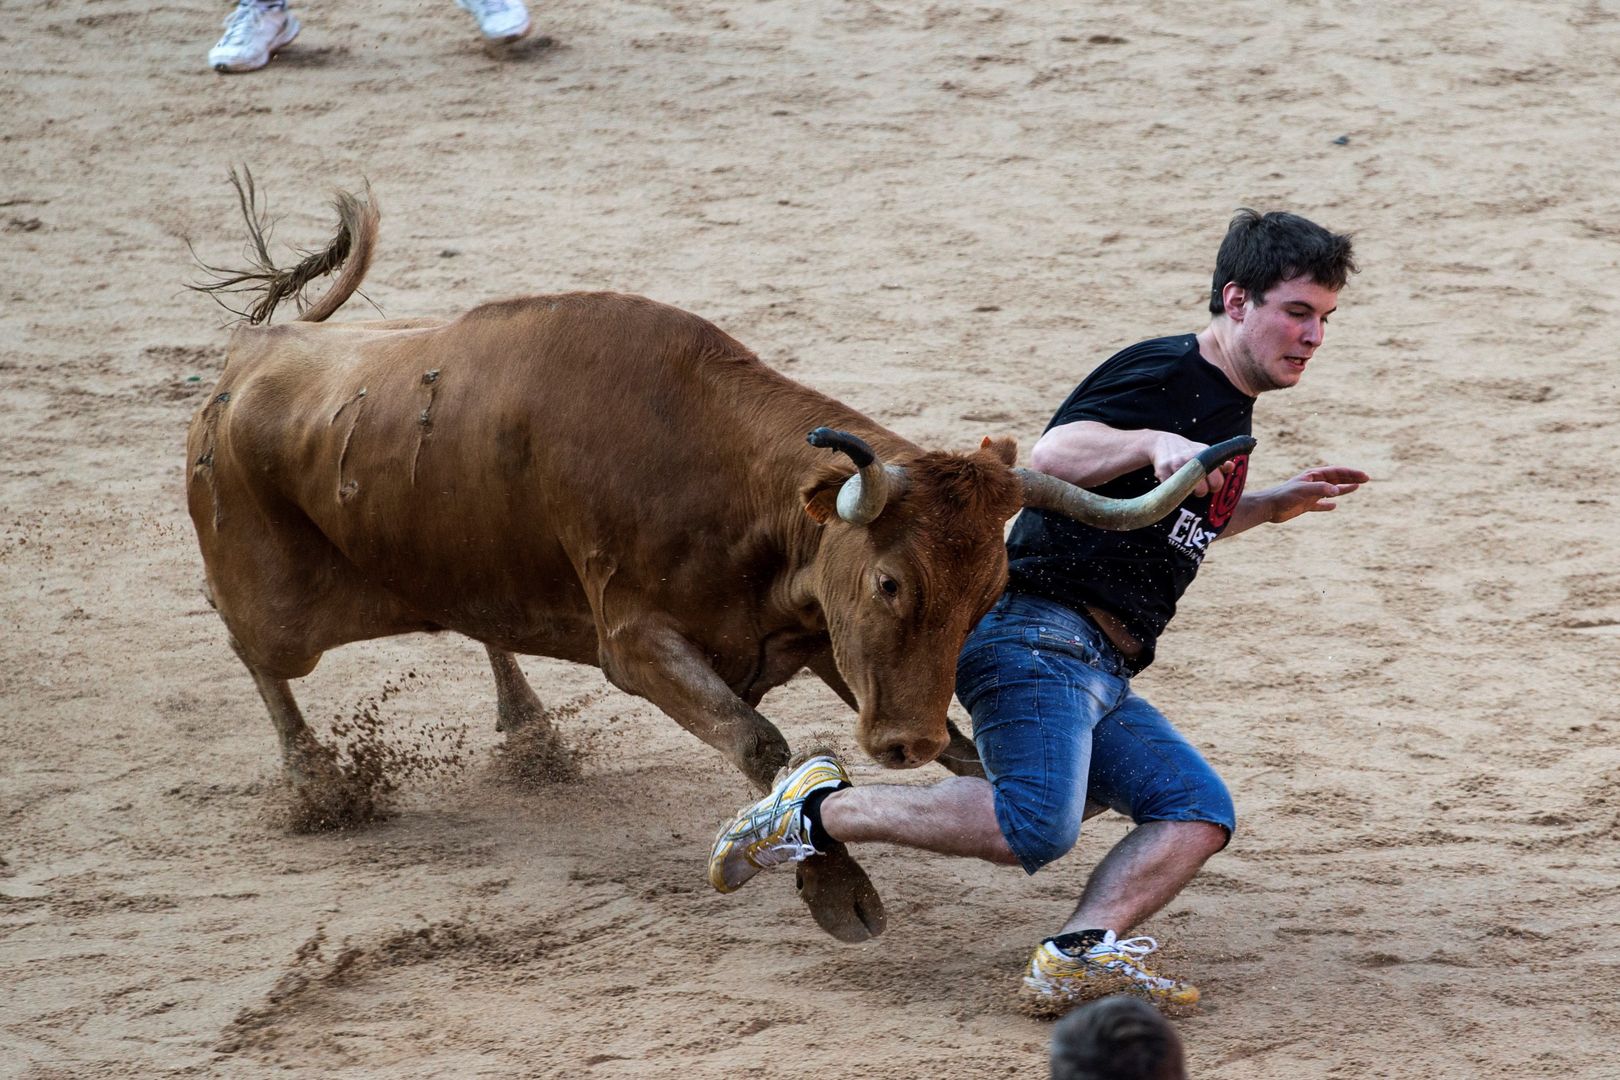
pixel 1043 492
pixel 863 495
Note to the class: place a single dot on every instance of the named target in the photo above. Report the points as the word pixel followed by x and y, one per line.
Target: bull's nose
pixel 909 755
pixel 895 757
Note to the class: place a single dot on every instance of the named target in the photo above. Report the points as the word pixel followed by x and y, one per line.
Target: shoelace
pixel 486 8
pixel 1135 947
pixel 242 23
pixel 787 849
pixel 1132 950
pixel 762 854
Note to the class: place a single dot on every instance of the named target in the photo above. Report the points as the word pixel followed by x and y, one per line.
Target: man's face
pixel 1277 337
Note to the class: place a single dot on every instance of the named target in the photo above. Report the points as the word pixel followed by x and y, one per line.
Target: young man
pixel 1046 674
pixel 257 29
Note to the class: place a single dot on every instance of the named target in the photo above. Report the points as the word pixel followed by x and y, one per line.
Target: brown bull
pixel 607 480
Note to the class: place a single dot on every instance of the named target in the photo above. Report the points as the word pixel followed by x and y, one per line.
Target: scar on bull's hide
pixel 424 422
pixel 204 465
pixel 346 489
pixel 358 395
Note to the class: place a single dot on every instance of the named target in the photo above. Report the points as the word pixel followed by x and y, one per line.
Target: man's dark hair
pixel 1117 1038
pixel 1261 250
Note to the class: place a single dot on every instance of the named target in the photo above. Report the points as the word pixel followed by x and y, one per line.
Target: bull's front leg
pixel 960 755
pixel 657 663
pixel 841 897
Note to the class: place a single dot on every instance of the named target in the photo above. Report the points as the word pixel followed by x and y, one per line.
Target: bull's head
pixel 922 558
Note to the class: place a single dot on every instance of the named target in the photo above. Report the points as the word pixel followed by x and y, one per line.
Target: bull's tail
pixel 349 254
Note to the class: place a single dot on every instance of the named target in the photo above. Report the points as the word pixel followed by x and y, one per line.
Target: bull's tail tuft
pixel 349 254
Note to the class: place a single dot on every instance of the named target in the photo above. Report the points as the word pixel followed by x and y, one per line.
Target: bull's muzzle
pixel 894 750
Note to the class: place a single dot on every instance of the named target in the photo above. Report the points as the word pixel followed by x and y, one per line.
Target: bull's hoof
pixel 323 796
pixel 329 807
pixel 534 757
pixel 841 898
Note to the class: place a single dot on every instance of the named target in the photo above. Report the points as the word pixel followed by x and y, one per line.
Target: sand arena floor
pixel 944 214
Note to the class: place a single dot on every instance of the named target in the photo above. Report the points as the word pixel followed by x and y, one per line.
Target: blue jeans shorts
pixel 1056 723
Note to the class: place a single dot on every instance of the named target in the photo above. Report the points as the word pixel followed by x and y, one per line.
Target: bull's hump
pixel 605 320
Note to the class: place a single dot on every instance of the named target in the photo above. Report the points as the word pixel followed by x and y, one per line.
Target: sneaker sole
pixel 1041 1004
pixel 1045 1004
pixel 515 35
pixel 288 32
pixel 717 876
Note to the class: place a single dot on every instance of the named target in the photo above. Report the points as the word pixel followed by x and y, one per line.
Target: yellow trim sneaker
pixel 773 830
pixel 1059 979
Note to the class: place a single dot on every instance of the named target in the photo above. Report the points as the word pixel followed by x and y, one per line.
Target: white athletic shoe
pixel 772 831
pixel 253 33
pixel 500 20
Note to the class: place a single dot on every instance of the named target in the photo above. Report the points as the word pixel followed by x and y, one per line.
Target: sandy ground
pixel 945 214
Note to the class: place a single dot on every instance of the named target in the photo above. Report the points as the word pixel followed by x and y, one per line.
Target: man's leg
pixel 953 817
pixel 1142 767
pixel 1147 770
pixel 254 31
pixel 1033 708
pixel 1144 872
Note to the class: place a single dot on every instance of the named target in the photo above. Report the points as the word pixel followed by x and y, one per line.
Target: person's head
pixel 1117 1038
pixel 1277 279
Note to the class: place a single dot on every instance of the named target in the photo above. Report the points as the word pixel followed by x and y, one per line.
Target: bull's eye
pixel 889 586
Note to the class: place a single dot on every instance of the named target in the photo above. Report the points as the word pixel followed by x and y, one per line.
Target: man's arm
pixel 1088 453
pixel 1308 492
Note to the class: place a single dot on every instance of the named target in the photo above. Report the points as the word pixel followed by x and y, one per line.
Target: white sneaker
pixel 500 20
pixel 253 33
pixel 771 831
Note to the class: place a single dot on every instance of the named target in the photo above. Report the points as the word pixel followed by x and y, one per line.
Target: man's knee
pixel 1204 838
pixel 1205 802
pixel 1040 839
pixel 1192 838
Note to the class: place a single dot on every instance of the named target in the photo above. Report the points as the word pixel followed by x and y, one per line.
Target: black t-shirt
pixel 1163 384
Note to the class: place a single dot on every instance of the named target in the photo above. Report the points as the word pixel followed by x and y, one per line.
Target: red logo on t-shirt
pixel 1226 499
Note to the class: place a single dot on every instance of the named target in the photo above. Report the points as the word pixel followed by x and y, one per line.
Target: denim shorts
pixel 1056 723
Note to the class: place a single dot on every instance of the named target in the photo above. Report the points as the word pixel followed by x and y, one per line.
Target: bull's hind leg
pixel 324 796
pixel 535 751
pixel 309 764
pixel 286 597
pixel 517 707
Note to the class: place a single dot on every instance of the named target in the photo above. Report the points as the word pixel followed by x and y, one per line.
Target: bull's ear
pixel 821 495
pixel 1004 448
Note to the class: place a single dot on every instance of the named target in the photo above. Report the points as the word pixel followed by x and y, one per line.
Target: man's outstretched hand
pixel 1310 491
